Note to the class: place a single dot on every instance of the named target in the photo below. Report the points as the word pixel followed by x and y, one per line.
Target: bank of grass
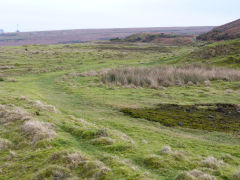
pixel 93 139
pixel 224 53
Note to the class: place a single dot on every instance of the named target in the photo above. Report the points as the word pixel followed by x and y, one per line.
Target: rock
pixel 144 141
pixel 219 109
pixel 180 124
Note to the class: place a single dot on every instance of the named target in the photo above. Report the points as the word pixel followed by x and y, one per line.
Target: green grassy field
pixel 88 136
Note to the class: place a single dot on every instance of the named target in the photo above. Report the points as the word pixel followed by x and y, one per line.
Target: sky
pixel 43 15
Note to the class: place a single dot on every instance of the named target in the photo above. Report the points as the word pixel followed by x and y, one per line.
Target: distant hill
pixel 83 35
pixel 1 31
pixel 167 39
pixel 228 31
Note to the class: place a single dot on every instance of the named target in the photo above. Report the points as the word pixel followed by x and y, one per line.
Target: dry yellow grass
pixel 6 67
pixel 10 114
pixel 94 169
pixel 53 172
pixel 75 159
pixel 237 175
pixel 39 130
pixel 211 162
pixel 45 107
pixel 195 175
pixel 156 77
pixel 95 73
pixel 4 144
pixel 166 150
pixel 103 141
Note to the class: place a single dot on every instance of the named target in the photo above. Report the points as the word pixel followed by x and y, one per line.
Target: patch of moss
pixel 211 117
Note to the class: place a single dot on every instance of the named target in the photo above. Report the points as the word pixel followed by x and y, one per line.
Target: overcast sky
pixel 37 15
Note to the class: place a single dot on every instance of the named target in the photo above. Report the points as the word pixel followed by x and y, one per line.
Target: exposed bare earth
pixel 83 35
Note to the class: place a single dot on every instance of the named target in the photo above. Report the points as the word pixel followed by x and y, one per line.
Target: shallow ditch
pixel 211 117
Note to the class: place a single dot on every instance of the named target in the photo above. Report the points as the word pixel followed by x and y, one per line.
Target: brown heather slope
pixel 83 35
pixel 228 31
pixel 166 39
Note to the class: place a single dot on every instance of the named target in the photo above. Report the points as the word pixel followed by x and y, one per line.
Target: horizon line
pixel 51 30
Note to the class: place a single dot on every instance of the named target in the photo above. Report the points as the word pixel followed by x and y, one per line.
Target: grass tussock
pixel 39 130
pixel 94 73
pixel 123 137
pixel 87 167
pixel 103 141
pixel 154 161
pixel 194 175
pixel 157 77
pixel 124 166
pixel 211 162
pixel 22 98
pixel 6 67
pixel 75 159
pixel 88 131
pixel 53 172
pixel 177 155
pixel 98 135
pixel 45 107
pixel 4 144
pixel 166 150
pixel 12 114
pixel 228 158
pixel 92 133
pixel 10 79
pixel 236 176
pixel 90 168
pixel 103 137
pixel 95 169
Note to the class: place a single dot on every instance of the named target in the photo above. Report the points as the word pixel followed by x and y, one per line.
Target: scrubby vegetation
pixel 39 130
pixel 211 162
pixel 212 117
pixel 224 53
pixel 237 176
pixel 60 112
pixel 157 77
pixel 195 174
pixel 227 31
pixel 4 144
pixel 10 114
pixel 167 39
pixel 217 51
